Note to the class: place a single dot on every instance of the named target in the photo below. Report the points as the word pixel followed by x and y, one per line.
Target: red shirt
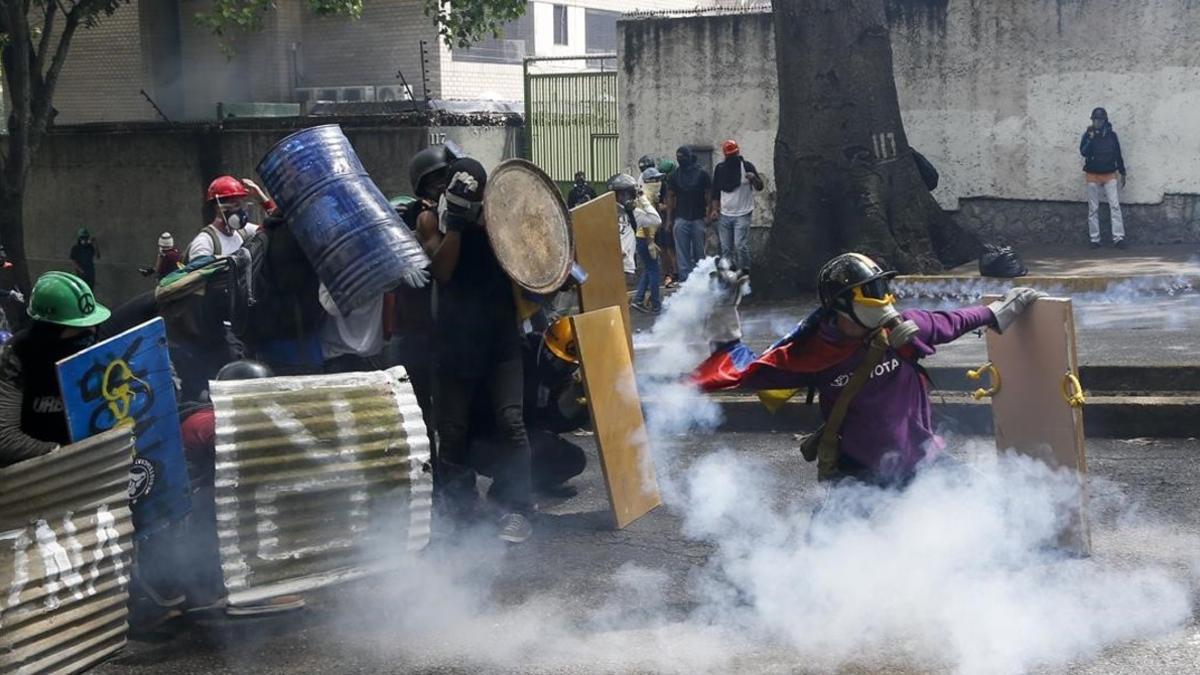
pixel 200 437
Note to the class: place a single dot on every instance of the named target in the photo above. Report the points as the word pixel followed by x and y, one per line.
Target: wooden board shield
pixel 528 225
pixel 1031 411
pixel 616 411
pixel 598 252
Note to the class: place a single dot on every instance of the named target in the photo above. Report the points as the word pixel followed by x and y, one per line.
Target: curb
pixel 945 283
pixel 1104 416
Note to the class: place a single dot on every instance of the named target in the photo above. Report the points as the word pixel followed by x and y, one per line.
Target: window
pixel 561 34
pixel 600 30
pixel 513 45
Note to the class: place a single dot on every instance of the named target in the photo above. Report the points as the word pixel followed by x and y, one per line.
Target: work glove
pixel 1014 303
pixel 415 277
pixel 653 247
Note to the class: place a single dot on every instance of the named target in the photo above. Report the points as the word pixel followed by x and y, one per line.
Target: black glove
pixel 455 221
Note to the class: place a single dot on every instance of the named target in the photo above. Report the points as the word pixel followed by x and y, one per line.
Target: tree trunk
pixel 846 177
pixel 12 231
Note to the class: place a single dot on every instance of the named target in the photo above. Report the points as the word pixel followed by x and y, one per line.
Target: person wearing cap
pixel 84 254
pixel 65 319
pixel 735 181
pixel 1103 170
pixel 230 226
pixel 169 258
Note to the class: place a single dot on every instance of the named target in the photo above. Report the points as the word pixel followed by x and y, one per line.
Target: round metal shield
pixel 528 226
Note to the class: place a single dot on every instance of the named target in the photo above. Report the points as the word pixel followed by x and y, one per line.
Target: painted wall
pixel 995 94
pixel 129 183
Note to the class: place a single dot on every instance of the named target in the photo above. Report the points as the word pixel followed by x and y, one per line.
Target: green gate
pixel 571 116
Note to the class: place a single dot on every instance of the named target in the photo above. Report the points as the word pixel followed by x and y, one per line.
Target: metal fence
pixel 571 115
pixel 66 541
pixel 319 480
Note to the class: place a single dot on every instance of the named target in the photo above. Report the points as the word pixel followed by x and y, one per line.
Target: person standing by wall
pixel 1103 167
pixel 581 192
pixel 665 237
pixel 84 255
pixel 734 183
pixel 687 197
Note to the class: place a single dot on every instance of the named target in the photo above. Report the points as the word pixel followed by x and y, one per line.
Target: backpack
pixel 1001 261
pixel 212 234
pixel 193 300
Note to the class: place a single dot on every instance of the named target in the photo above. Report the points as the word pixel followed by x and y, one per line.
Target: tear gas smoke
pixel 958 573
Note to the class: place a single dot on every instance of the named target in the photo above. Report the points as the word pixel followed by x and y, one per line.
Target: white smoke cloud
pixel 960 572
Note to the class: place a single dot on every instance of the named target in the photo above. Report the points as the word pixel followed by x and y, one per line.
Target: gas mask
pixel 236 220
pixel 873 307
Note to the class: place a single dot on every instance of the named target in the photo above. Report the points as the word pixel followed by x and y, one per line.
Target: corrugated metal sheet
pixel 66 544
pixel 319 479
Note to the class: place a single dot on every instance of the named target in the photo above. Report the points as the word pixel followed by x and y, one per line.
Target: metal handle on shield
pixel 1072 391
pixel 993 376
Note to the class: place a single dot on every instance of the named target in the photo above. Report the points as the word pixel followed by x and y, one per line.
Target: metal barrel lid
pixel 528 225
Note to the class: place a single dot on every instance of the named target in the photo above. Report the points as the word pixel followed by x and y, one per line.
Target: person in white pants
pixel 1103 169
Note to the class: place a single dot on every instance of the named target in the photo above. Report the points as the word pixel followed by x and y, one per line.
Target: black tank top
pixel 476 313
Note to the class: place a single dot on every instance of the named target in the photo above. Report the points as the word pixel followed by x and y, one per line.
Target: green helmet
pixel 65 299
pixel 666 166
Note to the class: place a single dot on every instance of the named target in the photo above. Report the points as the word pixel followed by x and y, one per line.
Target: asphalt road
pixel 581 597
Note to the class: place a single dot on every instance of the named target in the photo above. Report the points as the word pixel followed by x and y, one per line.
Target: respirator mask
pixel 236 219
pixel 873 306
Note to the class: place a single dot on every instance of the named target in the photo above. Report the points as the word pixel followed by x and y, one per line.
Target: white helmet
pixel 165 240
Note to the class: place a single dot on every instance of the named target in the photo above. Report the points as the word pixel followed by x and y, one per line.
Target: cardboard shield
pixel 528 226
pixel 1037 401
pixel 598 251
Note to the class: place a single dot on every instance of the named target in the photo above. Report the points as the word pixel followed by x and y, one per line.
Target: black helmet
pixel 1100 114
pixel 243 370
pixel 645 162
pixel 426 162
pixel 840 276
pixel 622 182
pixel 468 179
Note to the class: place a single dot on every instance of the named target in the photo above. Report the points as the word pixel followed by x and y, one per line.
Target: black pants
pixel 553 459
pixel 452 397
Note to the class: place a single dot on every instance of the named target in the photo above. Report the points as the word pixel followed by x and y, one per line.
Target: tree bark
pixel 847 180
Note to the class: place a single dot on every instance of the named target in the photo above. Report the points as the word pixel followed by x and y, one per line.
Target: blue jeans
pixel 651 276
pixel 734 232
pixel 689 245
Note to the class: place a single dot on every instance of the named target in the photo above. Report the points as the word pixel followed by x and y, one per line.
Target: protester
pixel 1103 168
pixel 12 300
pixel 477 352
pixel 581 192
pixel 622 185
pixel 687 199
pixel 230 226
pixel 201 578
pixel 84 254
pixel 665 238
pixel 169 259
pixel 638 220
pixel 856 346
pixel 552 406
pixel 735 181
pixel 65 316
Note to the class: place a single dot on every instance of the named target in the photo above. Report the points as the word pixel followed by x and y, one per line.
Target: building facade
pixel 153 60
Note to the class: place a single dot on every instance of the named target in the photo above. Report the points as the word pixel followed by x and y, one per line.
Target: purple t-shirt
pixel 889 426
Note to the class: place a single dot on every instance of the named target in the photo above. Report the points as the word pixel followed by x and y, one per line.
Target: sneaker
pixel 1120 243
pixel 515 529
pixel 639 307
pixel 1095 244
pixel 275 605
pixel 656 310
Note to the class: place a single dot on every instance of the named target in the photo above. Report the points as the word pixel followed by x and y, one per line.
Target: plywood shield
pixel 598 252
pixel 528 225
pixel 616 412
pixel 1033 410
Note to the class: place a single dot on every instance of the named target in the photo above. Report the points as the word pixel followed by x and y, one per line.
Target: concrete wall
pixel 995 94
pixel 128 184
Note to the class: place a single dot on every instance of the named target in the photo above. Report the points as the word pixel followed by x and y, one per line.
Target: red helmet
pixel 227 187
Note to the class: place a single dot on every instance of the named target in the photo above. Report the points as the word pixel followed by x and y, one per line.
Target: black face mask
pixel 78 343
pixel 580 181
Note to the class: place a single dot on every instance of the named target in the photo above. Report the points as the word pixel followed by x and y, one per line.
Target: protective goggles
pixel 874 293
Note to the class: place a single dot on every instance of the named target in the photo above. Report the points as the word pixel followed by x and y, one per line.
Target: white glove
pixel 1014 303
pixel 416 278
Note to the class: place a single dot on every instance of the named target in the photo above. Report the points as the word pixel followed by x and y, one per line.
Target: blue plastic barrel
pixel 350 233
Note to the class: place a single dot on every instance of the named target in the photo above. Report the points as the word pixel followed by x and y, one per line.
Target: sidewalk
pixel 1079 269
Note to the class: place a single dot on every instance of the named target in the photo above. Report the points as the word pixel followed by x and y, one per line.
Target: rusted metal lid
pixel 528 225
